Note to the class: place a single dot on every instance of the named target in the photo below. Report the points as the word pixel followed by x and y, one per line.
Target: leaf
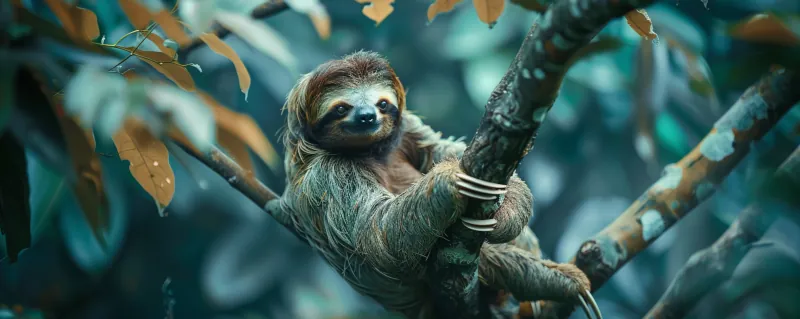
pixel 235 149
pixel 765 28
pixel 258 35
pixel 441 6
pixel 489 10
pixel 190 114
pixel 172 28
pixel 89 185
pixel 137 13
pixel 220 47
pixel 533 5
pixel 149 161
pixel 316 12
pixel 162 45
pixel 163 63
pixel 198 14
pixel 640 22
pixel 79 23
pixel 377 10
pixel 244 128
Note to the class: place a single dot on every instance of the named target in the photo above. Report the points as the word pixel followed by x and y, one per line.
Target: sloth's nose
pixel 365 116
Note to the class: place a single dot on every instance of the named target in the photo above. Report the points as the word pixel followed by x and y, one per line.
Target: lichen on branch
pixel 687 183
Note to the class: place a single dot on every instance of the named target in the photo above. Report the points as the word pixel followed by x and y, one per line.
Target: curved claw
pixel 594 305
pixel 585 307
pixel 479 189
pixel 481 225
pixel 476 196
pixel 595 309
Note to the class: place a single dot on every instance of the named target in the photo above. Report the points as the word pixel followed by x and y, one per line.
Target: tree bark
pixel 710 267
pixel 514 113
pixel 687 183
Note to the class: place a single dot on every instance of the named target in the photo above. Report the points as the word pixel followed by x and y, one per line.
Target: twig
pixel 710 267
pixel 514 112
pixel 685 184
pixel 266 10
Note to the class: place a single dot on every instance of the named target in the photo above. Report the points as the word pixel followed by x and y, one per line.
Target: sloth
pixel 371 188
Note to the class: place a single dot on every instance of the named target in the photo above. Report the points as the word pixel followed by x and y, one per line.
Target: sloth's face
pixel 357 116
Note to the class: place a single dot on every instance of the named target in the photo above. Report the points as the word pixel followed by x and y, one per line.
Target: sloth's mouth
pixel 363 128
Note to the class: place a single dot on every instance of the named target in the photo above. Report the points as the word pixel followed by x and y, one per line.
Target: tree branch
pixel 513 115
pixel 685 184
pixel 710 267
pixel 266 10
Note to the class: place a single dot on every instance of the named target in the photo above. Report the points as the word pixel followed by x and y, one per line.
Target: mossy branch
pixel 687 183
pixel 514 113
pixel 710 267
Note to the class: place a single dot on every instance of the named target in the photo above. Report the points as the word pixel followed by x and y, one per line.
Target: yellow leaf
pixel 222 48
pixel 765 28
pixel 489 10
pixel 441 6
pixel 137 13
pixel 322 23
pixel 149 161
pixel 235 148
pixel 532 5
pixel 640 22
pixel 377 10
pixel 244 128
pixel 78 22
pixel 163 63
pixel 172 28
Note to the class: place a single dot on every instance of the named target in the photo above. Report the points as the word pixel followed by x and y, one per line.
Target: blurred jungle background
pixel 626 109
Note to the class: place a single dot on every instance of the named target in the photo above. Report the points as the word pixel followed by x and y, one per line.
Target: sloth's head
pixel 352 104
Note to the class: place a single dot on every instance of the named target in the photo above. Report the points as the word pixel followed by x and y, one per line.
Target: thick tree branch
pixel 266 10
pixel 687 183
pixel 513 115
pixel 710 267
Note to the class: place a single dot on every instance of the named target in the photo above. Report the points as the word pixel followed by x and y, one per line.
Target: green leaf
pixel 259 36
pixel 47 191
pixel 198 14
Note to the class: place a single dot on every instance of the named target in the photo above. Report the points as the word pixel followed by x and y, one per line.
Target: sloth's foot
pixel 479 189
pixel 582 288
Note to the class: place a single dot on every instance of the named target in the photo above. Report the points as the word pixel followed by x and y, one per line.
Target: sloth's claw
pixel 585 307
pixel 481 225
pixel 480 182
pixel 583 297
pixel 475 188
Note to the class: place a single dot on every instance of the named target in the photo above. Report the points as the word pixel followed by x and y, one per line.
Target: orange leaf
pixel 640 22
pixel 244 128
pixel 377 10
pixel 322 23
pixel 172 28
pixel 489 10
pixel 163 63
pixel 222 48
pixel 765 28
pixel 149 161
pixel 441 6
pixel 137 13
pixel 78 22
pixel 235 149
pixel 159 42
pixel 88 187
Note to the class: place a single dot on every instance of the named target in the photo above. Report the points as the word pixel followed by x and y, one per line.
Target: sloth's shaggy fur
pixel 375 213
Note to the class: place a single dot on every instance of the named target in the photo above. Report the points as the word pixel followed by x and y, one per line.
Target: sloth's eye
pixel 382 105
pixel 341 109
